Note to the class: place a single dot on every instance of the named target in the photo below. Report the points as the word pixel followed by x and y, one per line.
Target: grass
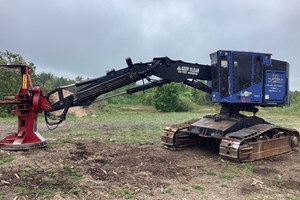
pixel 6 160
pixel 129 124
pixel 85 134
pixel 74 190
pixel 79 133
pixel 247 167
pixel 168 190
pixel 75 134
pixel 277 177
pixel 184 189
pixel 226 177
pixel 49 184
pixel 40 191
pixel 123 113
pixel 24 170
pixel 135 124
pixel 211 173
pixel 44 191
pixel 21 190
pixel 198 187
pixel 147 114
pixel 125 125
pixel 52 181
pixel 25 188
pixel 64 140
pixel 146 124
pixel 51 171
pixel 125 194
pixel 280 117
pixel 232 170
pixel 224 186
pixel 135 135
pixel 72 172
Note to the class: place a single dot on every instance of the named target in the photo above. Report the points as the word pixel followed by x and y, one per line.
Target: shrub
pixel 166 98
pixel 185 104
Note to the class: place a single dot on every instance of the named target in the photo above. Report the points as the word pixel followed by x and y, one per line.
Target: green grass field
pixel 142 124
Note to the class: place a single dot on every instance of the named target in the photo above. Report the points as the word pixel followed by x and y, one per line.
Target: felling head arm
pixel 30 100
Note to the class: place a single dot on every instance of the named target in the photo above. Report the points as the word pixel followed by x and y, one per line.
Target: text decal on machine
pixel 187 70
pixel 275 82
pixel 275 85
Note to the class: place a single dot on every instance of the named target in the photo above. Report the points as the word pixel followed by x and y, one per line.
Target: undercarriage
pixel 241 138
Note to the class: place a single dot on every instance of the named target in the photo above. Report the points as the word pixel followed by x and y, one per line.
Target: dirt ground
pixel 89 168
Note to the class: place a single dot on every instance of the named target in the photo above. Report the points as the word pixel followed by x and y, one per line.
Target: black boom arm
pixel 166 69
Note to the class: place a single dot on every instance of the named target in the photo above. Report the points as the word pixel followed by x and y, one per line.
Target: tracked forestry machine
pixel 239 81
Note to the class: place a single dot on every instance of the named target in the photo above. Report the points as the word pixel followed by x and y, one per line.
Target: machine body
pixel 239 81
pixel 249 78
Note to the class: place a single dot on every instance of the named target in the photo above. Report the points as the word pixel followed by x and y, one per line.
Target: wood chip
pixel 255 182
pixel 161 188
pixel 5 182
pixel 104 172
pixel 18 177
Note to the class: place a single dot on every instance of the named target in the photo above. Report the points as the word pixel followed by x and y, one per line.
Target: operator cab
pixel 249 78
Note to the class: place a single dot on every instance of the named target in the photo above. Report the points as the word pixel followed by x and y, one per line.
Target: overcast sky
pixel 88 37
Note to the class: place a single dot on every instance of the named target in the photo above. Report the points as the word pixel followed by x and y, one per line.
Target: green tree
pixel 295 101
pixel 79 79
pixel 10 78
pixel 199 97
pixel 166 98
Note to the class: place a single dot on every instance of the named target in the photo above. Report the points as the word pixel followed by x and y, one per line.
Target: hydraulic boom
pixel 164 68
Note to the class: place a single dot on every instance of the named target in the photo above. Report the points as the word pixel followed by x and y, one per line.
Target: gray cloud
pixel 86 38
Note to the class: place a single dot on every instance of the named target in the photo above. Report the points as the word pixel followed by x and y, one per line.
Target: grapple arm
pixel 87 92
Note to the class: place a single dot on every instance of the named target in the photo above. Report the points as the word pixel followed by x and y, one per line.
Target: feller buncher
pixel 239 81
